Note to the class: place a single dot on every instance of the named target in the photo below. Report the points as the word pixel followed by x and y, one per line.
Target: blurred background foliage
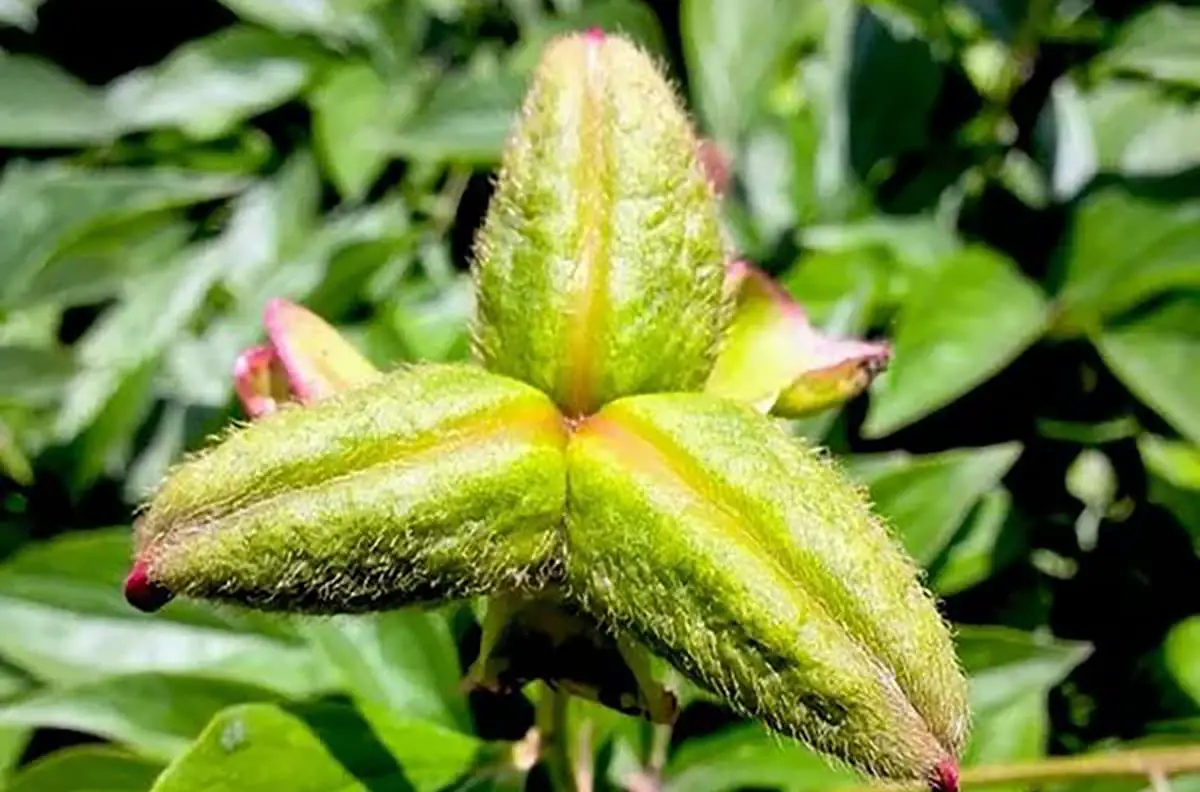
pixel 1009 190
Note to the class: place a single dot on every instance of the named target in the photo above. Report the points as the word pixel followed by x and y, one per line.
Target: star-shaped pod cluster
pixel 607 473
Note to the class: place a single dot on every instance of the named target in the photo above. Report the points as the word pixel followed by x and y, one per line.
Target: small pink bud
pixel 259 381
pixel 776 360
pixel 317 360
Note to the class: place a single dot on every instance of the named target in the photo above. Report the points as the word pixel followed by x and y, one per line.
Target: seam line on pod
pixel 653 458
pixel 530 418
pixel 688 472
pixel 592 183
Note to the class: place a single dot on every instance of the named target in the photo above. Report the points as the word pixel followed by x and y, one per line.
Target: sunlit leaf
pixel 928 497
pixel 155 715
pixel 102 768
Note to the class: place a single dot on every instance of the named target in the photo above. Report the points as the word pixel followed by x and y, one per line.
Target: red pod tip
pixel 143 593
pixel 945 776
pixel 594 34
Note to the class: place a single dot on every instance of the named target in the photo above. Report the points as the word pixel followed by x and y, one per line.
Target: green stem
pixel 1151 763
pixel 551 718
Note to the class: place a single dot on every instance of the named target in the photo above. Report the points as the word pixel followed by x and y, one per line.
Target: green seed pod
pixel 433 482
pixel 746 559
pixel 600 265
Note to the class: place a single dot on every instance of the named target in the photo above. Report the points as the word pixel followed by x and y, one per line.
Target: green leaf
pixel 209 85
pixel 1167 145
pixel 1162 42
pixel 731 50
pixel 334 20
pixel 466 119
pixel 1181 651
pixel 46 107
pixel 1155 357
pixel 1121 249
pixel 749 757
pixel 1070 150
pixel 959 327
pixel 1120 110
pixel 20 13
pixel 262 748
pixel 13 741
pixel 63 618
pixel 33 375
pixel 979 549
pixel 404 662
pixel 891 87
pixel 928 497
pixel 153 714
pixel 350 126
pixel 87 768
pixel 838 289
pixel 46 206
pixel 105 263
pixel 1174 472
pixel 1011 673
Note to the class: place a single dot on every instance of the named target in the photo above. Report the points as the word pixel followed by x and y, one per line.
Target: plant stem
pixel 551 717
pixel 1153 763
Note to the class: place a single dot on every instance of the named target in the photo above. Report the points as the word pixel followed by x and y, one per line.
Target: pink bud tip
pixel 143 593
pixel 594 34
pixel 945 776
pixel 252 380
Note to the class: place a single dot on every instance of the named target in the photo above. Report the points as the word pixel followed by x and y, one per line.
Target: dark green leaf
pixel 405 662
pixel 153 714
pixel 1182 653
pixel 891 88
pixel 1010 674
pixel 1162 42
pixel 207 86
pixel 44 207
pixel 731 49
pixel 960 326
pixel 261 748
pixel 33 375
pixel 1155 356
pixel 928 497
pixel 1123 248
pixel 87 768
pixel 979 549
pixel 46 107
pixel 466 119
pixel 64 619
pixel 749 757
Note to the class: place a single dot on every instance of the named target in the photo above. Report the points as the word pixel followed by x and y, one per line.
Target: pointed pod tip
pixel 143 593
pixel 945 776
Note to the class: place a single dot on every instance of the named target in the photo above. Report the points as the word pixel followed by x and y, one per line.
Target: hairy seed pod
pixel 747 560
pixel 600 264
pixel 433 482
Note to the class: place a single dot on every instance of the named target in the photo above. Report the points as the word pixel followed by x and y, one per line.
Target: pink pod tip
pixel 143 593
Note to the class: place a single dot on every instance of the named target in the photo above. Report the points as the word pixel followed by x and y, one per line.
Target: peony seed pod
pixel 745 558
pixel 599 267
pixel 433 482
